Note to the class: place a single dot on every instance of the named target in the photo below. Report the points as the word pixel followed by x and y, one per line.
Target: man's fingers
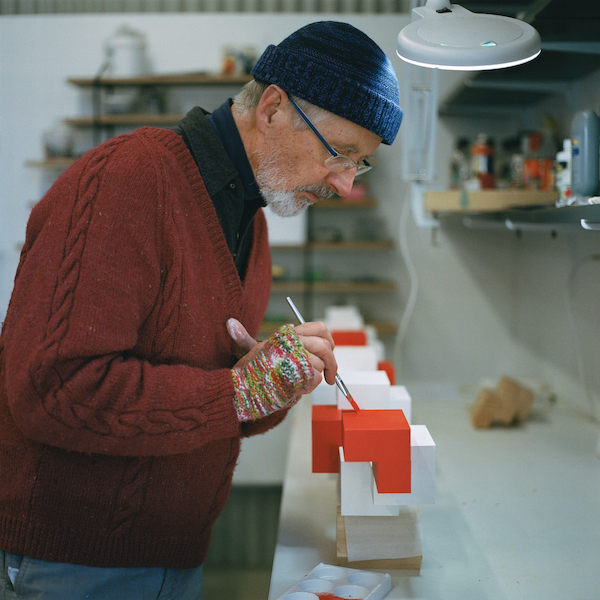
pixel 319 343
pixel 240 336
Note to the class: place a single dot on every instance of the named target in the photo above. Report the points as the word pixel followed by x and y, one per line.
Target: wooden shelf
pixel 125 119
pixel 51 164
pixel 168 80
pixel 350 246
pixel 339 203
pixel 464 201
pixel 324 287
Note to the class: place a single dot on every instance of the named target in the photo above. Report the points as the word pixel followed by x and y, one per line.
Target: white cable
pixel 573 323
pixel 414 282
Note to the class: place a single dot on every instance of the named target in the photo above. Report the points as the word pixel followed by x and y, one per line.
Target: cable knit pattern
pixel 62 300
pixel 274 378
pixel 118 432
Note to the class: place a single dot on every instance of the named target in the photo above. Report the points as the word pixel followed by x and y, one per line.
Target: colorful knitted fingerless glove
pixel 274 378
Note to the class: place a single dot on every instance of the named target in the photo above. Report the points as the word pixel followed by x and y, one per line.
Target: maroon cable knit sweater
pixel 118 433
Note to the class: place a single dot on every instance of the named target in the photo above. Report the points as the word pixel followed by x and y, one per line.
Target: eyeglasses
pixel 336 162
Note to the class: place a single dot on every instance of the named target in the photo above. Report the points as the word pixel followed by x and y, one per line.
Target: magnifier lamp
pixel 447 36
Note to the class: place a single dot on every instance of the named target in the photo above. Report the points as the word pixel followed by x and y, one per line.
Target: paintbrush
pixel 338 379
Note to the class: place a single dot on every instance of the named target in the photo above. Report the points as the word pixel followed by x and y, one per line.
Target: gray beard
pixel 270 177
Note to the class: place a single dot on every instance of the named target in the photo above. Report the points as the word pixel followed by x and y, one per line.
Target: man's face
pixel 291 173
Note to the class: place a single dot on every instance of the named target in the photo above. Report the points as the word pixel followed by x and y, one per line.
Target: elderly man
pixel 128 370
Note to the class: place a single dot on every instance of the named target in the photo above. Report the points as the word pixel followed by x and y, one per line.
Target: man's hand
pixel 315 338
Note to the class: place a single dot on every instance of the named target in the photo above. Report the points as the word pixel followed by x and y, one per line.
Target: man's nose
pixel 342 182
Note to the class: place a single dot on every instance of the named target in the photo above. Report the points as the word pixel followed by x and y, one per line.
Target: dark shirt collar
pixel 218 150
pixel 224 125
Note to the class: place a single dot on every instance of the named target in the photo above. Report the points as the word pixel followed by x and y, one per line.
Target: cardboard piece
pixel 381 437
pixel 381 542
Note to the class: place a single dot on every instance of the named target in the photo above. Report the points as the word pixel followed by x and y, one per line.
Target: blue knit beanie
pixel 337 67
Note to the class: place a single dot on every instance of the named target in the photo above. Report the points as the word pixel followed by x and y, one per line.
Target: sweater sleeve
pixel 79 375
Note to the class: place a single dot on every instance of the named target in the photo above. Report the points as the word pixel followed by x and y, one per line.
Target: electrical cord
pixel 579 355
pixel 414 283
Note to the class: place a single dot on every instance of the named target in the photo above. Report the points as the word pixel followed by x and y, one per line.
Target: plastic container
pixel 584 166
pixel 332 583
pixel 563 174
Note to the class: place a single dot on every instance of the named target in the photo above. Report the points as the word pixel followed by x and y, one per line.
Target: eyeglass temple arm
pixel 316 132
pixel 313 128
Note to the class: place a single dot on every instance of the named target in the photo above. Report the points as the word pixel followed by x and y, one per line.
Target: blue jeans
pixel 26 578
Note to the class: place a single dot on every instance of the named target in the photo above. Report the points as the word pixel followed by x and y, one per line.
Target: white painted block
pixel 324 394
pixel 343 318
pixel 373 340
pixel 286 231
pixel 356 495
pixel 422 471
pixel 370 389
pixel 400 399
pixel 356 358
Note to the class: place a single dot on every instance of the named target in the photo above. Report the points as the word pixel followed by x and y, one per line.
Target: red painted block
pixel 388 367
pixel 326 438
pixel 383 438
pixel 353 337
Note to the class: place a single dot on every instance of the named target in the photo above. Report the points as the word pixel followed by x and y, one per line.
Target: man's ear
pixel 269 106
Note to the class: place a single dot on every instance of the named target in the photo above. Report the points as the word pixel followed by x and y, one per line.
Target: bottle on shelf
pixel 562 168
pixel 459 167
pixel 482 162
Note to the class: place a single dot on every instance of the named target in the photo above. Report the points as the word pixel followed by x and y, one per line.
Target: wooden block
pixel 521 398
pixel 411 563
pixel 489 408
pixel 326 438
pixel 383 438
pixel 509 403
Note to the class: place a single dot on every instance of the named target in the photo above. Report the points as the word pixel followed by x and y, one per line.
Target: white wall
pixel 488 304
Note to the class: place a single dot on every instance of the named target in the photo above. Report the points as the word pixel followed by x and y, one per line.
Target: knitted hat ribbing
pixel 337 67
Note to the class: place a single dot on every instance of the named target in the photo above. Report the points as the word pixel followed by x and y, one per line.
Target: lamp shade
pixel 448 36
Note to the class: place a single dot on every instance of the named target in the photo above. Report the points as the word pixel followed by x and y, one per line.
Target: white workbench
pixel 517 513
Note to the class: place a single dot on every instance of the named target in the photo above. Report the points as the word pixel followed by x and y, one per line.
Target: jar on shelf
pixel 482 162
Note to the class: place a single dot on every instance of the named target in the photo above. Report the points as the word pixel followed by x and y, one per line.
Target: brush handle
pixel 338 380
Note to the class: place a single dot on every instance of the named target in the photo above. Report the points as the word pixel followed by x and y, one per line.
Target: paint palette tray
pixel 328 582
